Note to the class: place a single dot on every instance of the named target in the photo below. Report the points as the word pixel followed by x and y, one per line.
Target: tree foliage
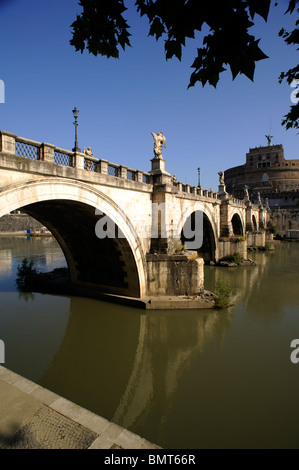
pixel 222 293
pixel 102 29
pixel 25 271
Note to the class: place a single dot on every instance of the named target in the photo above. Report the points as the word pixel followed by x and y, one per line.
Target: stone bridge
pixel 122 230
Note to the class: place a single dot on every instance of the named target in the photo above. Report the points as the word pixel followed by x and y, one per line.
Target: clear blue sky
pixel 122 101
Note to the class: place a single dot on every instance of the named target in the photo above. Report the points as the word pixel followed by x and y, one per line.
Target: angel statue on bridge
pixel 160 141
pixel 221 177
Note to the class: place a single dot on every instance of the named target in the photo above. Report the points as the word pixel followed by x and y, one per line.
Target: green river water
pixel 181 379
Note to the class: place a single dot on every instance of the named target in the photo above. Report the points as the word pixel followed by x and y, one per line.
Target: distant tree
pixel 101 29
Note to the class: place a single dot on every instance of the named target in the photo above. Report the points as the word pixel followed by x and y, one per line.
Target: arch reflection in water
pixel 126 365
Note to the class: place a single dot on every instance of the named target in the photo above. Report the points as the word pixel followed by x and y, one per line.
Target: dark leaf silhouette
pixel 102 29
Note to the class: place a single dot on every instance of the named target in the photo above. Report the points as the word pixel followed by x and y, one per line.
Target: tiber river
pixel 181 379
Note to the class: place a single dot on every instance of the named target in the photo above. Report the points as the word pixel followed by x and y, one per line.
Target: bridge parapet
pixel 27 148
pixel 237 202
pixel 33 150
pixel 255 207
pixel 112 169
pixel 195 191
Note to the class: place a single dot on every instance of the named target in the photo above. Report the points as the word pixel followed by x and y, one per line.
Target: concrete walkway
pixel 32 417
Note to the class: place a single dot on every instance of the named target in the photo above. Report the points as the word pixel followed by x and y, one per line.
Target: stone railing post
pixel 123 171
pixel 47 152
pixel 139 176
pixel 79 160
pixel 7 142
pixel 103 166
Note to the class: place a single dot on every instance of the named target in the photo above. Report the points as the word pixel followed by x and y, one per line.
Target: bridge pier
pixel 249 219
pixel 225 221
pixel 175 274
pixel 256 239
pixel 168 272
pixel 161 231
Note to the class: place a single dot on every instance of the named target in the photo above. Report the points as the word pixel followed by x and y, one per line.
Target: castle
pixel 267 174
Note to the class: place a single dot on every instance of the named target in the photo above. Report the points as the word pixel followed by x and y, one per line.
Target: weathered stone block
pixel 256 239
pixel 47 152
pixel 7 142
pixel 175 274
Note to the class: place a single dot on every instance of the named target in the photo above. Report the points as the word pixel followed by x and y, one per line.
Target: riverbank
pixel 26 234
pixel 16 224
pixel 32 417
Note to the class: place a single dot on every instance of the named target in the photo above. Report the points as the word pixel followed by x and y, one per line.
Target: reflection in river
pixel 182 379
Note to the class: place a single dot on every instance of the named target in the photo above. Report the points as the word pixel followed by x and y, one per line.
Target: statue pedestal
pixel 157 164
pixel 158 171
pixel 222 191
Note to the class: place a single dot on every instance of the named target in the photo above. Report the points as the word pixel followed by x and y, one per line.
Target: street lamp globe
pixel 75 113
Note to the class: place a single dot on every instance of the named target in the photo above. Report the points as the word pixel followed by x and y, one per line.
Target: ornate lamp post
pixel 198 171
pixel 76 113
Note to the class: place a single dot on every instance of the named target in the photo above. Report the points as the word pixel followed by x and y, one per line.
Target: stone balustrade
pixel 238 202
pixel 194 190
pixel 27 148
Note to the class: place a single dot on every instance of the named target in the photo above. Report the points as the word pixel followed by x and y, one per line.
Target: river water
pixel 181 379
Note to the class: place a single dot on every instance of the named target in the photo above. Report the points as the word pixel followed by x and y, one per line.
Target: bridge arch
pixel 67 207
pixel 237 224
pixel 208 248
